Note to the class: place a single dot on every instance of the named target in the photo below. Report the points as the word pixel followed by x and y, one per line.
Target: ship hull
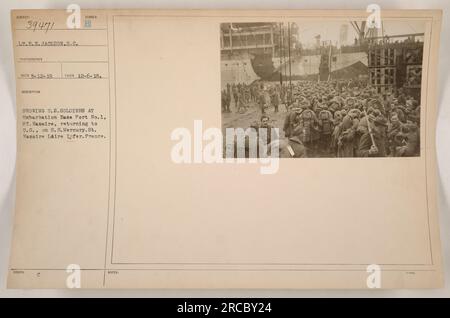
pixel 252 68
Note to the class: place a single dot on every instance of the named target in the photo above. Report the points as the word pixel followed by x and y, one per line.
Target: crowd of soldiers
pixel 336 118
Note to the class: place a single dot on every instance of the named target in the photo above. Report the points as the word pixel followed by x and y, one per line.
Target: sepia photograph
pixel 322 88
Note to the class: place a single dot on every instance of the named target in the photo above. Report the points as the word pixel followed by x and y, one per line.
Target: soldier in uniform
pixel 224 100
pixel 307 129
pixel 366 147
pixel 267 130
pixel 290 120
pixel 326 130
pixel 262 101
pixel 275 99
pixel 337 121
pixel 236 97
pixel 408 141
pixel 346 138
pixel 372 142
pixel 394 128
pixel 380 123
pixel 283 97
pixel 242 106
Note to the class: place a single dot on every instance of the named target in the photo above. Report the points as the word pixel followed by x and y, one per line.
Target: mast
pixel 279 56
pixel 284 53
pixel 231 38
